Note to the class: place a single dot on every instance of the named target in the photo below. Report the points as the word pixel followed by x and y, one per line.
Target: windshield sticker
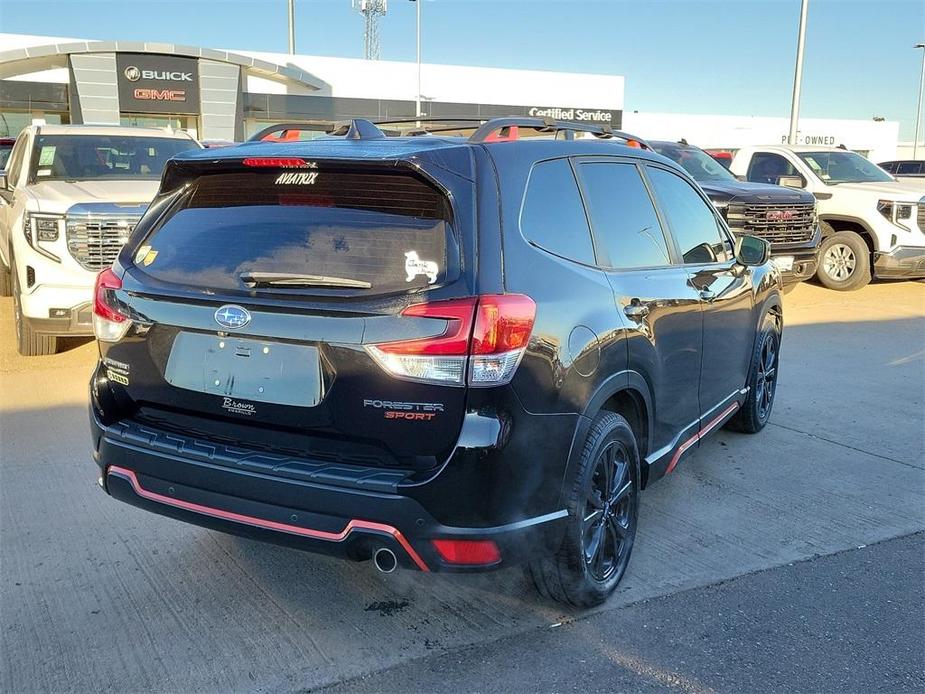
pixel 299 179
pixel 414 266
pixel 47 157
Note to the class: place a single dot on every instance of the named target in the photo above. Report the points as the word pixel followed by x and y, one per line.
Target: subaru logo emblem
pixel 232 316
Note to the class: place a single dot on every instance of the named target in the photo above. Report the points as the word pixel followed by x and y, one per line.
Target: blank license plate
pixel 255 370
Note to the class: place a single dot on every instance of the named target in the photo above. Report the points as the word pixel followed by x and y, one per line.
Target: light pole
pixel 417 102
pixel 291 27
pixel 918 111
pixel 798 77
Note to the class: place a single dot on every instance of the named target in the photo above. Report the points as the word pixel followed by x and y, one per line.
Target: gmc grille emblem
pixel 780 216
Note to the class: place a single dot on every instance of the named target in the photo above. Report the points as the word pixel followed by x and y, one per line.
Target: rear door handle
pixel 636 310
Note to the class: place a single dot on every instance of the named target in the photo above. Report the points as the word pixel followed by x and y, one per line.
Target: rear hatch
pixel 259 296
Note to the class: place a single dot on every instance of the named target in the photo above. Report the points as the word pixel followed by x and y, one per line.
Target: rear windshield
pixel 305 230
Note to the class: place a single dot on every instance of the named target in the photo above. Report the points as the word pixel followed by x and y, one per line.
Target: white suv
pixel 871 223
pixel 70 196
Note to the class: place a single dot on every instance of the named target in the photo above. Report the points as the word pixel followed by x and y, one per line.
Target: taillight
pixel 468 552
pixel 109 323
pixel 488 333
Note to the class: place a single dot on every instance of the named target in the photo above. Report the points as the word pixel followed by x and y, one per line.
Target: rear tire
pixel 603 506
pixel 762 381
pixel 844 262
pixel 28 342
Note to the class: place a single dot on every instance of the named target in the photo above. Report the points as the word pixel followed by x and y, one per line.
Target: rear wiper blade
pixel 293 279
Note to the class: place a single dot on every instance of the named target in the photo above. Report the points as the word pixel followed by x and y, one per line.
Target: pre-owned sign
pixel 157 83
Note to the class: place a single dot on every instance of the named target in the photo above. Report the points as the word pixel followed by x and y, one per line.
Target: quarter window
pixel 622 216
pixel 552 216
pixel 692 219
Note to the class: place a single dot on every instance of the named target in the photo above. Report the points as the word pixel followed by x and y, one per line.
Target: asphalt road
pixel 99 596
pixel 846 622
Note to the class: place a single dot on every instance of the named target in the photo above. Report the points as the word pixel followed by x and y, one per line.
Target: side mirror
pixel 751 251
pixel 791 181
pixel 4 184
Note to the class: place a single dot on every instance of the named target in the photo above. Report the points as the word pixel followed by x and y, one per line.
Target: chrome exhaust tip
pixel 385 560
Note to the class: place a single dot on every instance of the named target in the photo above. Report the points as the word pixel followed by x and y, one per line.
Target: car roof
pixel 120 130
pixel 412 146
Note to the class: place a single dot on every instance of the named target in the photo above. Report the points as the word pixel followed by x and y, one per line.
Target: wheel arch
pixel 625 393
pixel 848 223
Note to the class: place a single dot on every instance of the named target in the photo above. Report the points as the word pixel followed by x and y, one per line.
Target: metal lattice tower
pixel 371 11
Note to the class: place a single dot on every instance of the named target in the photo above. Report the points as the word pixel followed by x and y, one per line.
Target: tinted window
pixel 691 219
pixel 86 157
pixel 327 230
pixel 909 167
pixel 767 168
pixel 889 166
pixel 552 216
pixel 622 216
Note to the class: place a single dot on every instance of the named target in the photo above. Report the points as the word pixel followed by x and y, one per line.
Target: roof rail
pixel 550 125
pixel 355 129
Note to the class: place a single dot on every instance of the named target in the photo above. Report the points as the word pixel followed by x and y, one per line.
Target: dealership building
pixel 228 94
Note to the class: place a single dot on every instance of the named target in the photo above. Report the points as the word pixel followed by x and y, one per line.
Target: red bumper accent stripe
pixel 268 524
pixel 699 435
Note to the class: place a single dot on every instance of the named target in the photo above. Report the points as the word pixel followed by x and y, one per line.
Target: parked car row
pixel 433 349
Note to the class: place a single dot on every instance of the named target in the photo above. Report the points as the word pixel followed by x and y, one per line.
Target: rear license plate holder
pixel 245 368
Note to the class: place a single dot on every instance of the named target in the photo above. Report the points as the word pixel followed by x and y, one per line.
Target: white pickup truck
pixel 69 197
pixel 871 223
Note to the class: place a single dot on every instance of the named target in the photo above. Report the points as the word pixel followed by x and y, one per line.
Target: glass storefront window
pixel 11 122
pixel 188 123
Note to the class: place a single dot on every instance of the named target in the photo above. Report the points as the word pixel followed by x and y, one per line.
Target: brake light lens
pixel 276 162
pixel 109 323
pixel 468 552
pixel 488 334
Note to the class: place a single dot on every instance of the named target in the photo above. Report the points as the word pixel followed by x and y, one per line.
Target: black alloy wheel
pixel 608 514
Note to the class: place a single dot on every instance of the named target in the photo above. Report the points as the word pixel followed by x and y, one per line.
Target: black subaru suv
pixel 784 217
pixel 438 352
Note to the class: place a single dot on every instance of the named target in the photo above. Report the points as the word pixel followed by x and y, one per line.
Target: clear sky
pixel 718 56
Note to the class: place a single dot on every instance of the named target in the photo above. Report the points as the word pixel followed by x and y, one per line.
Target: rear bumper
pixel 330 519
pixel 904 262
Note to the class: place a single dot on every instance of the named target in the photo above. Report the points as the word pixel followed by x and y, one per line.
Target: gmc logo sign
pixel 160 94
pixel 780 216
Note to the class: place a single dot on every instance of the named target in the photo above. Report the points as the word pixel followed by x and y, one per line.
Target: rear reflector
pixel 276 162
pixel 489 333
pixel 468 552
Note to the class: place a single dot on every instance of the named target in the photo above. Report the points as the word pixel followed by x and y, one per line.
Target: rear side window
pixel 622 216
pixel 552 216
pixel 306 230
pixel 909 167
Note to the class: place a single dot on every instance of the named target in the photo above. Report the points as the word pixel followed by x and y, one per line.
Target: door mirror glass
pixel 791 181
pixel 751 251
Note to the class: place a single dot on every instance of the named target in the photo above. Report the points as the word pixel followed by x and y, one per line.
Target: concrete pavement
pixel 99 596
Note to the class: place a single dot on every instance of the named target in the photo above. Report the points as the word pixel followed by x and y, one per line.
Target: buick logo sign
pixel 132 73
pixel 232 316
